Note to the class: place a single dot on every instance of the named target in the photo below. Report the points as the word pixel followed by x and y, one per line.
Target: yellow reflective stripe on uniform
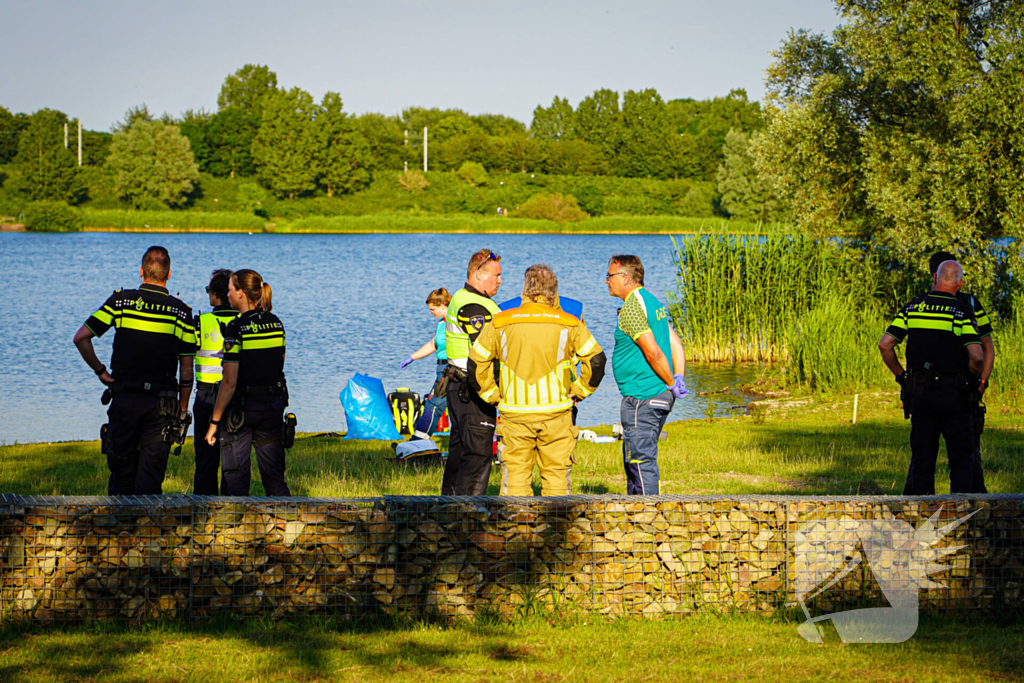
pixel 581 389
pixel 128 323
pixel 104 315
pixel 487 395
pixel 587 347
pixel 482 351
pixel 250 344
pixel 944 325
pixel 206 370
pixel 539 408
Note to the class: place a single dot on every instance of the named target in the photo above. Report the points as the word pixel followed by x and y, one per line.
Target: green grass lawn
pixel 698 648
pixel 807 447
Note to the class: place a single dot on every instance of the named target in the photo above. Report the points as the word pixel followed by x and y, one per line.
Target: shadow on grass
pixel 872 458
pixel 313 649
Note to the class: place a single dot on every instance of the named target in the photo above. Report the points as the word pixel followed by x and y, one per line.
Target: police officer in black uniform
pixel 988 349
pixel 154 340
pixel 249 412
pixel 210 329
pixel 944 358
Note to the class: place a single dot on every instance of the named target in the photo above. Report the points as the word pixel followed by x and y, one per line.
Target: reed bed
pixel 184 221
pixel 737 296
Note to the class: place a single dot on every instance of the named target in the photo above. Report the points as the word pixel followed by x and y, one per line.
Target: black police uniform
pixel 204 483
pixel 472 420
pixel 938 328
pixel 254 418
pixel 153 330
pixel 984 325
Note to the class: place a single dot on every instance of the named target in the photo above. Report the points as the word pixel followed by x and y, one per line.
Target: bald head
pixel 948 277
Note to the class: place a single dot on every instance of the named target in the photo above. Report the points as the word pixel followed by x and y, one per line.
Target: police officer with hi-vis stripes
pixel 209 371
pixel 944 359
pixel 154 340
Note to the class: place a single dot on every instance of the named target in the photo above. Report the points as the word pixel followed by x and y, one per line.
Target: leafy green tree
pixel 473 173
pixel 344 154
pixel 575 157
pixel 194 125
pixel 745 195
pixel 287 147
pixel 641 150
pixel 599 121
pixel 498 125
pixel 702 126
pixel 385 138
pixel 10 128
pixel 905 125
pixel 518 152
pixel 152 164
pixel 230 135
pixel 95 147
pixel 137 113
pixel 554 122
pixel 47 170
pixel 247 88
pixel 251 197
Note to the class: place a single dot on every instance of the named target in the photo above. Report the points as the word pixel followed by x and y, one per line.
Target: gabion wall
pixel 73 559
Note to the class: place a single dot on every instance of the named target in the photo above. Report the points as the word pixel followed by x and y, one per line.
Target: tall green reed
pixel 171 220
pixel 738 295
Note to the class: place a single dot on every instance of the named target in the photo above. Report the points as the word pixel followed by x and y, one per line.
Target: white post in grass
pixel 855 397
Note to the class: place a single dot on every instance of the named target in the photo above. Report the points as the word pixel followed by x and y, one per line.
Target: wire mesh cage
pixel 146 558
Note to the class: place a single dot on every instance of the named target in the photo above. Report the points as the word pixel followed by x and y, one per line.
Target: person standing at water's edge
pixel 253 394
pixel 649 365
pixel 988 350
pixel 472 419
pixel 944 358
pixel 437 302
pixel 154 340
pixel 524 361
pixel 209 370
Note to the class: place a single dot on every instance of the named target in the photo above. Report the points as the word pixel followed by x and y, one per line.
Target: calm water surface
pixel 350 303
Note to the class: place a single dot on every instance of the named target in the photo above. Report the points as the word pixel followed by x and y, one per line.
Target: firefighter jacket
pixel 525 361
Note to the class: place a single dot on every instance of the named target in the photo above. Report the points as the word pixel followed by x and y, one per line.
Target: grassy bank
pixel 698 648
pixel 791 445
pixel 223 221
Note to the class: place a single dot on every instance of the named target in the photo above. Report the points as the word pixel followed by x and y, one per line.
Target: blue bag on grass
pixel 367 411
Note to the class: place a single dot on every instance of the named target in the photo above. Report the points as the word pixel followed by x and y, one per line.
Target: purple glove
pixel 679 389
pixel 405 363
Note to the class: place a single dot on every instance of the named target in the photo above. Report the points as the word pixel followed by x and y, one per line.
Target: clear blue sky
pixel 95 59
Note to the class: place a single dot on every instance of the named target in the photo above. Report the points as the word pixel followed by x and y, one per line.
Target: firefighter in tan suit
pixel 525 361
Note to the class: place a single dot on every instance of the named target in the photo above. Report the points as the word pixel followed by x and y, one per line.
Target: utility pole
pixel 65 136
pixel 424 149
pixel 79 142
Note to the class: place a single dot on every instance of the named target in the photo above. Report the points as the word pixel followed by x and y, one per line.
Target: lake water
pixel 350 303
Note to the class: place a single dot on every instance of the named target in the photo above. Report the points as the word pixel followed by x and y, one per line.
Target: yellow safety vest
pixel 210 357
pixel 455 334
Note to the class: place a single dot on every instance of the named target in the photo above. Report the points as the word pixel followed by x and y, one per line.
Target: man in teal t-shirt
pixel 648 363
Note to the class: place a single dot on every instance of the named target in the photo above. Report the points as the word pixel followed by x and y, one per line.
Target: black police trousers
pixel 204 483
pixel 134 418
pixel 470 446
pixel 945 411
pixel 262 429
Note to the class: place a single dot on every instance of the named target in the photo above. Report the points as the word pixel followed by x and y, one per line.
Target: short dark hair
pixel 937 259
pixel 156 264
pixel 631 266
pixel 219 280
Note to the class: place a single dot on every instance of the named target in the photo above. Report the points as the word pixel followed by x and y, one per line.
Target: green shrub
pixel 1008 373
pixel 49 216
pixel 591 200
pixel 552 207
pixel 473 173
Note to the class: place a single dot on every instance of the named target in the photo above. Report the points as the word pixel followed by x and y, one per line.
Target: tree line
pixel 295 146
